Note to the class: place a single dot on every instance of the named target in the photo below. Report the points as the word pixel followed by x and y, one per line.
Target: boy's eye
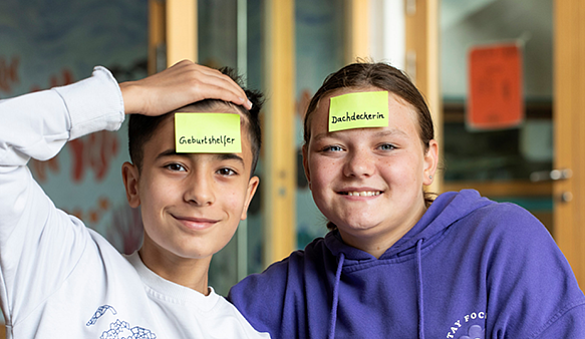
pixel 226 171
pixel 176 167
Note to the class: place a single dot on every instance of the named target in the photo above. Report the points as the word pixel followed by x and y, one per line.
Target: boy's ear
pixel 252 186
pixel 306 164
pixel 130 175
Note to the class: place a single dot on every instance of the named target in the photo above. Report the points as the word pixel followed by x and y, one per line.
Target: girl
pixel 397 264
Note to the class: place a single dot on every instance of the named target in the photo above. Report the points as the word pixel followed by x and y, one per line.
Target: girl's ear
pixel 130 175
pixel 306 164
pixel 431 160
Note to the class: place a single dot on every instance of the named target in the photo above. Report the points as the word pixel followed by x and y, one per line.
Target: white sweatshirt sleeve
pixel 39 244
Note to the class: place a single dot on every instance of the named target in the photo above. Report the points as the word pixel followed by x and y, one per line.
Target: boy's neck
pixel 191 273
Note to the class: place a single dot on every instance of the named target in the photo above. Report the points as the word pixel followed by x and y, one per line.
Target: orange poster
pixel 495 87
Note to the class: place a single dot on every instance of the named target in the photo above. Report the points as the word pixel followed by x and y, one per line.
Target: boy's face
pixel 191 203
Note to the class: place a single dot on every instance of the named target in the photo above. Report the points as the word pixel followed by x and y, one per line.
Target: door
pixel 499 164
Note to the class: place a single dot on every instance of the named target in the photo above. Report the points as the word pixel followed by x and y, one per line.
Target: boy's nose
pixel 199 190
pixel 359 164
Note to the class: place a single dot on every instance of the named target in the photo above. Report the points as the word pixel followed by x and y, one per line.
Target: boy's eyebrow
pixel 229 156
pixel 168 153
pixel 218 156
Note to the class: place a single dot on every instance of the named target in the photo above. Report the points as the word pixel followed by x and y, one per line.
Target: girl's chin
pixel 355 227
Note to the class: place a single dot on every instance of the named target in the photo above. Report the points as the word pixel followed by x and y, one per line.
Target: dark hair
pixel 142 127
pixel 385 77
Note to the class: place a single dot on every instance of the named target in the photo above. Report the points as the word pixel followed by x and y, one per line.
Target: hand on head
pixel 181 84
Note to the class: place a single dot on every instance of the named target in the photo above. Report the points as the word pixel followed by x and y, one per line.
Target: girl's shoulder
pixel 506 218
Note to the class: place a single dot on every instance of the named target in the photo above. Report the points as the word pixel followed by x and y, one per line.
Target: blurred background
pixel 522 58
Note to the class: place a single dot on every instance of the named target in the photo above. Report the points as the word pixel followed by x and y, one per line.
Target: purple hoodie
pixel 470 268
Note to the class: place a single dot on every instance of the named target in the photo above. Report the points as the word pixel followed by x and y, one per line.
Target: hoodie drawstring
pixel 420 299
pixel 419 280
pixel 333 319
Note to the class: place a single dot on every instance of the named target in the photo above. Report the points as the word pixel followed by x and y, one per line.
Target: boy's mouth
pixel 196 223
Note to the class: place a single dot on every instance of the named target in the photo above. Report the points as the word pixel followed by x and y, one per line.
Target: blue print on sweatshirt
pixel 122 330
pixel 475 332
pixel 119 329
pixel 100 311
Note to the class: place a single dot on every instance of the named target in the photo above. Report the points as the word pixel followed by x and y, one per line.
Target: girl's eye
pixel 387 147
pixel 176 167
pixel 332 148
pixel 226 171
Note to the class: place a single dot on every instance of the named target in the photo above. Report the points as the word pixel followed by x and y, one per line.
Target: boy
pixel 60 279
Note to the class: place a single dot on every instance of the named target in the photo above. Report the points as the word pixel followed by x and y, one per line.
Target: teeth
pixel 364 194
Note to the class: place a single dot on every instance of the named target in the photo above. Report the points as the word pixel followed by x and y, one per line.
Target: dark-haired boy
pixel 60 279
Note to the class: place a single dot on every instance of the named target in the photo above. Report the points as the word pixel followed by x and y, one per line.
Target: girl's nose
pixel 359 163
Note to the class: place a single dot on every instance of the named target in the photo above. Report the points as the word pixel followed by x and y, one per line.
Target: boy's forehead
pixel 215 108
pixel 164 140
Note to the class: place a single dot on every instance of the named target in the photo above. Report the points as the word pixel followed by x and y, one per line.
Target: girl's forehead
pixel 398 107
pixel 347 90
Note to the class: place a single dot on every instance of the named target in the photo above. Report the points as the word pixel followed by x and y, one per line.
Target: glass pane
pixel 506 155
pixel 217 33
pixel 218 47
pixel 46 44
pixel 319 52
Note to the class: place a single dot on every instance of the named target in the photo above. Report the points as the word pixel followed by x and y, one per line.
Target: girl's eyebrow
pixel 382 133
pixel 390 132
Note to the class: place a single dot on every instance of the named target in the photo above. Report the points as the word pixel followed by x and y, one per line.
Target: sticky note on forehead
pixel 207 133
pixel 358 110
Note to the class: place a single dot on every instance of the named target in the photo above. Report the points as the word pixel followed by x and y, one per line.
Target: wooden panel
pixel 357 35
pixel 569 102
pixel 156 32
pixel 181 30
pixel 503 189
pixel 422 62
pixel 280 153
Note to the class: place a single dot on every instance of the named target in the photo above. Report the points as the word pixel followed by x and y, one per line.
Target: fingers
pixel 212 84
pixel 180 85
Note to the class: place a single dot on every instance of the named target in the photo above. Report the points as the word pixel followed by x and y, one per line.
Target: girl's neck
pixel 376 243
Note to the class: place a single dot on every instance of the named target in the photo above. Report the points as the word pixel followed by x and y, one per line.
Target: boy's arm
pixel 40 244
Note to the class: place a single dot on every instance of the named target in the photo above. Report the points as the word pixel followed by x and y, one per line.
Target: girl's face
pixel 369 181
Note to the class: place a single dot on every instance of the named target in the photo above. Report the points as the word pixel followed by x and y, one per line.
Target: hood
pixel 444 211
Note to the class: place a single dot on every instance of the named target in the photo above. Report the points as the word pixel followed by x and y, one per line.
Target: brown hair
pixel 385 77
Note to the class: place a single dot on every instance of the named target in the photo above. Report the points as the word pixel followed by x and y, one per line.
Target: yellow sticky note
pixel 358 110
pixel 207 133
